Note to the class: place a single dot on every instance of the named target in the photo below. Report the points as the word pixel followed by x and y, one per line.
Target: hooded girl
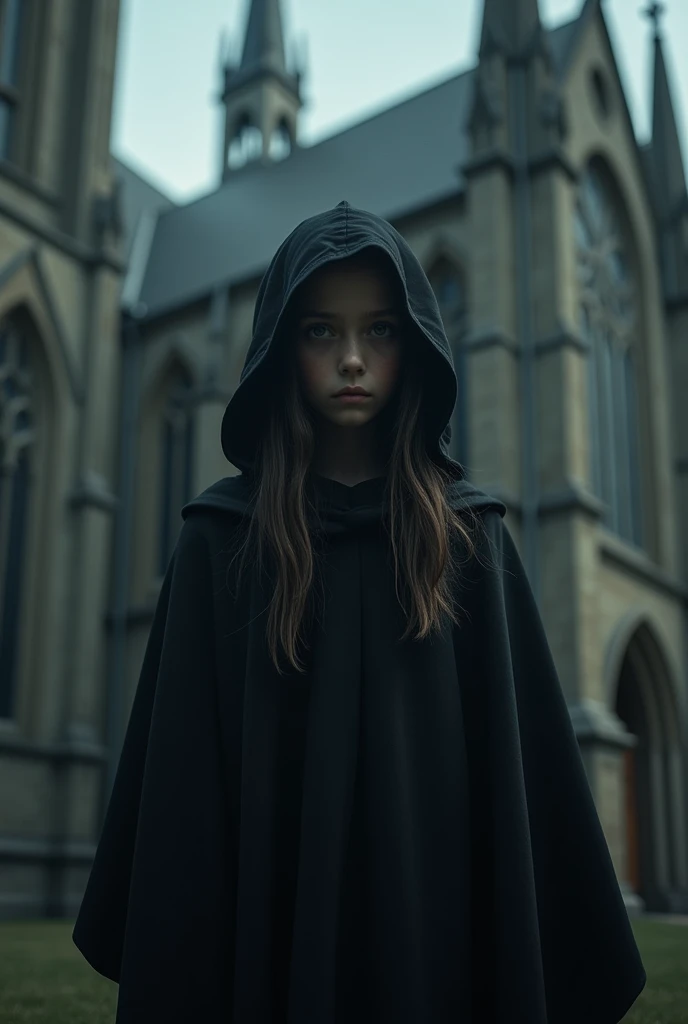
pixel 350 789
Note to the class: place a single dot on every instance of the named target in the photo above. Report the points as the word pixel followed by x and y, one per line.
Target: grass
pixel 45 980
pixel 44 977
pixel 664 949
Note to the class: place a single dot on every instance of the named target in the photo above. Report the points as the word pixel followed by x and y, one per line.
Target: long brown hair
pixel 420 522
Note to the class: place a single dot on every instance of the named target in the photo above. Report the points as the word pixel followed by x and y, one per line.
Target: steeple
pixel 667 177
pixel 516 125
pixel 264 41
pixel 510 27
pixel 667 161
pixel 260 95
pixel 513 39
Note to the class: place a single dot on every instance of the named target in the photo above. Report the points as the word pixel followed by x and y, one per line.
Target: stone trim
pixel 615 550
pixel 241 78
pixel 478 339
pixel 553 158
pixel 92 492
pixel 45 851
pixel 676 302
pixel 136 615
pixel 25 181
pixel 486 338
pixel 499 157
pixel 572 497
pixel 504 495
pixel 73 750
pixel 593 722
pixel 211 393
pixel 30 257
pixel 496 157
pixel 59 240
pixel 563 339
pixel 22 906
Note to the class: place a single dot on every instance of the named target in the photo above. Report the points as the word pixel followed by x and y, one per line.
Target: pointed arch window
pixel 16 444
pixel 610 321
pixel 247 144
pixel 176 464
pixel 12 16
pixel 448 284
pixel 280 143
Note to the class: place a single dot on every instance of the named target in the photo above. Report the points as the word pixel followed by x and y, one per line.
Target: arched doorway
pixel 654 777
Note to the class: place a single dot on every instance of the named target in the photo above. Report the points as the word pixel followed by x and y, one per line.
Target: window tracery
pixel 609 318
pixel 16 443
pixel 449 287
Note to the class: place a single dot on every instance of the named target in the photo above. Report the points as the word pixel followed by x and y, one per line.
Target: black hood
pixel 334 235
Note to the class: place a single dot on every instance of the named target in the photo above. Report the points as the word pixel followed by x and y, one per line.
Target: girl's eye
pixel 385 323
pixel 379 323
pixel 313 327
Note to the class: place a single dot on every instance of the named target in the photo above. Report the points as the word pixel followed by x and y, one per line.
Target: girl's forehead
pixel 354 274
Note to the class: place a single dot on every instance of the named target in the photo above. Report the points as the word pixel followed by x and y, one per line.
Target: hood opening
pixel 335 235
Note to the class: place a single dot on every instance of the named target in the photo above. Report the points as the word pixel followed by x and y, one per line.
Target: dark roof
pixel 138 195
pixel 403 159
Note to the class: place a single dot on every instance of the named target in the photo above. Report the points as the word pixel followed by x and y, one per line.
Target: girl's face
pixel 349 322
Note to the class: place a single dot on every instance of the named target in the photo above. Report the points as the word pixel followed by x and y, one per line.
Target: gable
pixel 406 158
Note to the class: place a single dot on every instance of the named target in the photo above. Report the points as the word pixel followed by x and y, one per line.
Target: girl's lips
pixel 352 398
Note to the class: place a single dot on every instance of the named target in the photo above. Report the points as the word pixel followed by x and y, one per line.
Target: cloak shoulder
pixel 232 494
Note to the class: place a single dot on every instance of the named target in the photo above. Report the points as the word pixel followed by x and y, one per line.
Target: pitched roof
pixel 138 195
pixel 400 160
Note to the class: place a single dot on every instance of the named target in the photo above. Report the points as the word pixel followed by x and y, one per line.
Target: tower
pixel 667 177
pixel 61 267
pixel 261 97
pixel 517 164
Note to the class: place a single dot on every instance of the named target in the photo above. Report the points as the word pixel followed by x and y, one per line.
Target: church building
pixel 557 246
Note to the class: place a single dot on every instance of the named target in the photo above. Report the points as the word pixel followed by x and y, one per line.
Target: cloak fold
pixel 405 833
pixel 157 909
pixel 563 949
pixel 402 834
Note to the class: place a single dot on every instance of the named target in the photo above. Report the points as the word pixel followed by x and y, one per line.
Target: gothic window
pixel 16 439
pixel 247 144
pixel 609 320
pixel 176 465
pixel 450 292
pixel 280 143
pixel 12 15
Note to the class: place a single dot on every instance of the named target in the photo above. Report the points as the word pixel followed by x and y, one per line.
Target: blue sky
pixel 362 56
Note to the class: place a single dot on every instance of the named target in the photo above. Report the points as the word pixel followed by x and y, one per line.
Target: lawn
pixel 45 980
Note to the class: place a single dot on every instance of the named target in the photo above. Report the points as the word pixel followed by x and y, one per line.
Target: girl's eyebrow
pixel 306 313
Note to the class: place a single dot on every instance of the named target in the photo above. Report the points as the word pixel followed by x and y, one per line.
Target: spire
pixel 509 26
pixel 264 41
pixel 261 97
pixel 667 160
pixel 514 45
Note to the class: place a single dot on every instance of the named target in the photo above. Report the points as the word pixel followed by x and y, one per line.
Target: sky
pixel 362 56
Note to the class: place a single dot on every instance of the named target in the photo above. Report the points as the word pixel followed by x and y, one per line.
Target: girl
pixel 344 795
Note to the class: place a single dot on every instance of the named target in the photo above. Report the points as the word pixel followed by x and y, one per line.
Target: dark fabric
pixel 405 833
pixel 325 238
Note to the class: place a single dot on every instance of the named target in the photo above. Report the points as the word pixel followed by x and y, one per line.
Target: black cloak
pixel 403 834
